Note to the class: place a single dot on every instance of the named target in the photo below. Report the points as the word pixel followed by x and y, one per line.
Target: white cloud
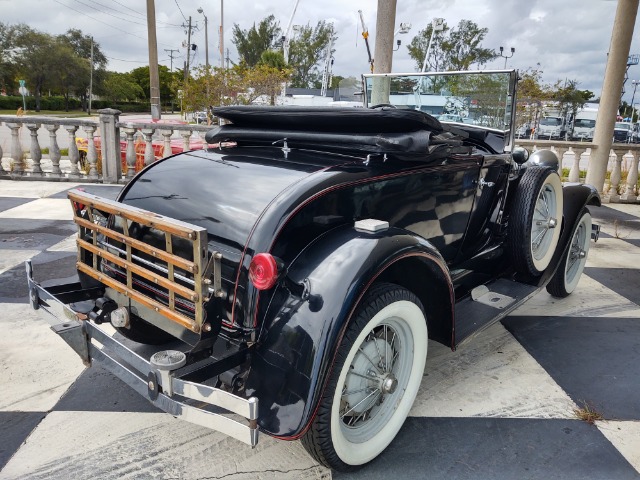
pixel 569 39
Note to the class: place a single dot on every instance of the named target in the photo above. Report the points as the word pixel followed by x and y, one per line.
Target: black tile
pixel 29 241
pixel 594 360
pixel 497 448
pixel 623 281
pixel 7 203
pixel 20 226
pixel 97 390
pixel 48 268
pixel 15 427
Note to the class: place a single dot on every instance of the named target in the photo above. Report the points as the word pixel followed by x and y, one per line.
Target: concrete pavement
pixel 501 407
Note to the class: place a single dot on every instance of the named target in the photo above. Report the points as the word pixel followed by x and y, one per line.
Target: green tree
pixel 307 50
pixel 253 42
pixel 121 87
pixel 568 98
pixel 80 44
pixel 70 73
pixel 455 48
pixel 140 76
pixel 273 58
pixel 35 59
pixel 8 70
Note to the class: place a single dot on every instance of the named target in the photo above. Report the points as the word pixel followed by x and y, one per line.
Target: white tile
pixel 491 375
pixel 625 436
pixel 36 366
pixel 66 245
pixel 590 299
pixel 42 209
pixel 109 445
pixel 11 258
pixel 31 189
pixel 613 253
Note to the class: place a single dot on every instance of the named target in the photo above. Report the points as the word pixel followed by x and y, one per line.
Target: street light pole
pixel 635 84
pixel 222 34
pixel 206 37
pixel 513 50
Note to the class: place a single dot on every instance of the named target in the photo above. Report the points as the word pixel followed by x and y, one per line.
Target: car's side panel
pixel 307 316
pixel 431 200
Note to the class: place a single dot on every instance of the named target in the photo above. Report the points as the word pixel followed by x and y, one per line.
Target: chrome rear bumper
pixel 161 387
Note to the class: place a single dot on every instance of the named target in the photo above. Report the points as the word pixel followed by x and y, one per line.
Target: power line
pixel 107 13
pixel 131 61
pixel 124 13
pixel 103 22
pixel 185 18
pixel 128 8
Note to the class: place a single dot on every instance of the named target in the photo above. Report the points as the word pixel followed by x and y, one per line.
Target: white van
pixel 584 125
pixel 551 128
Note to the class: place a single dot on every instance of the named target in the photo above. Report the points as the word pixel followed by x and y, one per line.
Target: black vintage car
pixel 294 272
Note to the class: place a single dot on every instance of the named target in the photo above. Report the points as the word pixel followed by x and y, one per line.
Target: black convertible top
pixel 402 132
pixel 329 119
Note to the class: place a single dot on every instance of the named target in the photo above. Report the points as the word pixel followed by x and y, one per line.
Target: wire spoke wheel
pixel 382 360
pixel 568 274
pixel 535 220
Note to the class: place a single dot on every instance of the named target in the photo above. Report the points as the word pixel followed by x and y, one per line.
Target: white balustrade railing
pixel 623 161
pixel 110 151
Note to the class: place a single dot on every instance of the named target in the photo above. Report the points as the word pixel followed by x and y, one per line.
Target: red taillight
pixel 263 271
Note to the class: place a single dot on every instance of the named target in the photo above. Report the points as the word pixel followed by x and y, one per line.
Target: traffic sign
pixel 22 82
pixel 23 90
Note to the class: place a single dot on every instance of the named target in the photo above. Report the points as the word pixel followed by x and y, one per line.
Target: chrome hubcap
pixel 543 221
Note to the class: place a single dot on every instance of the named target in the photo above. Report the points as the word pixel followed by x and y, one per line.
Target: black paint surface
pixel 15 427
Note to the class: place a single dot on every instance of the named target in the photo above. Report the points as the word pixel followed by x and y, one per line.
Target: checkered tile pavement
pixel 500 407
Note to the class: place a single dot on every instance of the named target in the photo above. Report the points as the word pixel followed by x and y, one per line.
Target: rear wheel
pixel 534 222
pixel 566 278
pixel 375 379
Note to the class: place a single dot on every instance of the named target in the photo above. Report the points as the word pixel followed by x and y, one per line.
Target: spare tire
pixel 535 220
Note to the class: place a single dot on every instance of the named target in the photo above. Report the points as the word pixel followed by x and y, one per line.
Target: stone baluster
pixel 186 135
pixel 92 153
pixel 632 179
pixel 17 168
pixel 131 152
pixel 149 155
pixel 34 149
pixel 614 180
pixel 574 173
pixel 166 151
pixel 560 151
pixel 74 155
pixel 54 150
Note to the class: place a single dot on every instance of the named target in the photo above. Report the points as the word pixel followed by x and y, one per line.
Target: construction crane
pixel 328 64
pixel 286 38
pixel 365 35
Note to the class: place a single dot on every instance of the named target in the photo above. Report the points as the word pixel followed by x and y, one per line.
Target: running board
pixel 488 304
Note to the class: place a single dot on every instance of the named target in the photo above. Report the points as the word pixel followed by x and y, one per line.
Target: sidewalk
pixel 501 407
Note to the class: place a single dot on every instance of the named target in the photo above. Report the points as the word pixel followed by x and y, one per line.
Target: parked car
pixel 450 117
pixel 294 274
pixel 622 132
pixel 551 128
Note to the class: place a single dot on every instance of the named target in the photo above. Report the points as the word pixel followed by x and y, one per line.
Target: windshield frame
pixel 509 133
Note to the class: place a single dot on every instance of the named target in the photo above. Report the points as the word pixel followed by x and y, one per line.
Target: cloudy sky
pixel 566 39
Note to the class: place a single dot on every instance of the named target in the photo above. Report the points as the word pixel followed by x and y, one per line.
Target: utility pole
pixel 171 50
pixel 206 36
pixel 90 80
pixel 186 68
pixel 383 53
pixel 222 33
pixel 154 77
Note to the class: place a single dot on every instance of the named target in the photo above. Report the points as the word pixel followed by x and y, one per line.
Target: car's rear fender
pixel 308 314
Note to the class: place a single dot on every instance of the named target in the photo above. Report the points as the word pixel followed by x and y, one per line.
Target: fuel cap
pixel 168 359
